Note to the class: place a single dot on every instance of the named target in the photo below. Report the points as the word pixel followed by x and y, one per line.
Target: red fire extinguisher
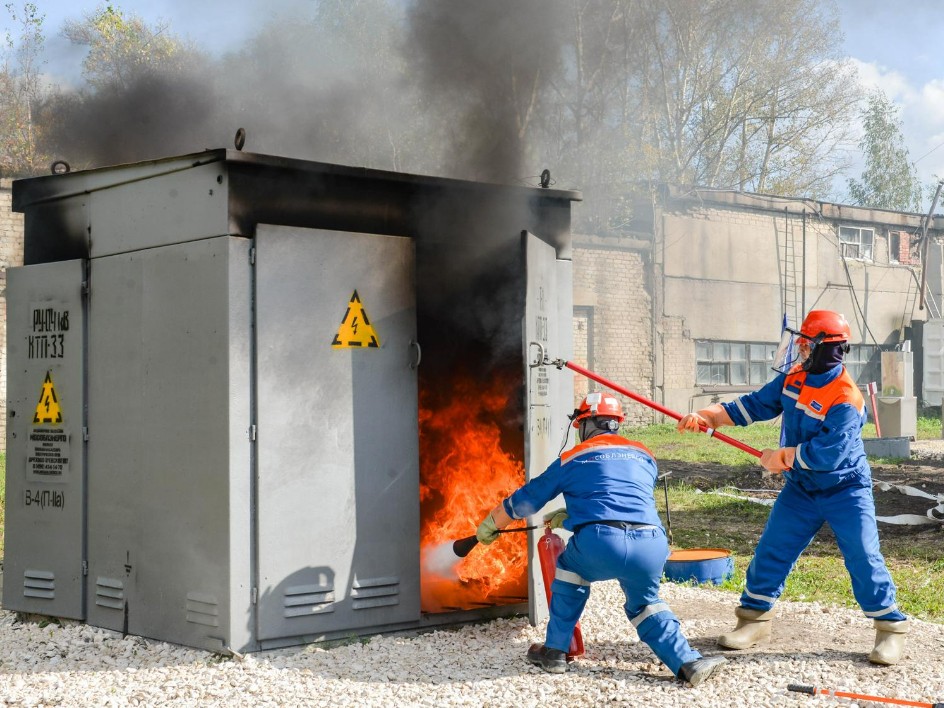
pixel 550 546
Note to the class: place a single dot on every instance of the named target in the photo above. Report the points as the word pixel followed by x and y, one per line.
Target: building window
pixel 855 242
pixel 899 247
pixel 864 363
pixel 734 363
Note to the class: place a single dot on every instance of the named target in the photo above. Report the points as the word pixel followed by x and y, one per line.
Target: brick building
pixel 686 307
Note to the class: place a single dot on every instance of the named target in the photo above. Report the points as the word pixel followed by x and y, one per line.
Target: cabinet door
pixel 45 476
pixel 338 462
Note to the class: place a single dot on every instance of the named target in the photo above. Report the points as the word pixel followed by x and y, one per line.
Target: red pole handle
pixel 662 409
pixel 813 690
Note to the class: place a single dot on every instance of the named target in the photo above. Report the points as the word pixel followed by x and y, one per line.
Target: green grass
pixel 706 520
pixel 668 444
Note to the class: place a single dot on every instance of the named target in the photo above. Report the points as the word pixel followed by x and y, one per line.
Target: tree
pixel 890 179
pixel 123 47
pixel 20 88
pixel 149 94
pixel 735 94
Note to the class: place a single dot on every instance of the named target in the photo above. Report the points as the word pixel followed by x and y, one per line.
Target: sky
pixel 895 46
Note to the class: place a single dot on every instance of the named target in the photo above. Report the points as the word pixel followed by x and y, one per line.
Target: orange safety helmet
pixel 825 326
pixel 598 404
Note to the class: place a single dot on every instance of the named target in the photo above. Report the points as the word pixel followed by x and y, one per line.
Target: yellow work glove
pixel 487 530
pixel 555 519
pixel 779 460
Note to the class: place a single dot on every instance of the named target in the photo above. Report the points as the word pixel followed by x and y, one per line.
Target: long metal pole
pixel 802 313
pixel 560 363
pixel 924 244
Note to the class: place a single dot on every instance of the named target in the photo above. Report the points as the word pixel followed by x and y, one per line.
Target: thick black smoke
pixel 156 116
pixel 491 62
pixel 438 87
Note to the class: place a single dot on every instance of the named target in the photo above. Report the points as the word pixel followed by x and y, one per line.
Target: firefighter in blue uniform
pixel 827 480
pixel 608 485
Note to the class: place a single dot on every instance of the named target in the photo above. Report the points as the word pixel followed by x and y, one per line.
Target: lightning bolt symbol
pixel 354 324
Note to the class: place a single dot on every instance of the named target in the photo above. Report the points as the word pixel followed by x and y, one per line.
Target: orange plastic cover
pixel 698 554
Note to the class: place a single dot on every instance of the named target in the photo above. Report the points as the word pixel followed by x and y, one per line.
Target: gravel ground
pixel 475 665
pixel 479 665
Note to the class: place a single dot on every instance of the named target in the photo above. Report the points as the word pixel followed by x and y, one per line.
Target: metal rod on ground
pixel 561 363
pixel 812 690
pixel 924 243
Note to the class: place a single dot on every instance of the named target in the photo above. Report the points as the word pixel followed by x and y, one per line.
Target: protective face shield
pixel 799 347
pixel 790 352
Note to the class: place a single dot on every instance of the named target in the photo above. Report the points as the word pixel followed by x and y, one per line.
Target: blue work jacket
pixel 823 415
pixel 605 478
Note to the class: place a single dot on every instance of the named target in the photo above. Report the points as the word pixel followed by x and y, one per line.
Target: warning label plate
pixel 48 409
pixel 47 455
pixel 356 330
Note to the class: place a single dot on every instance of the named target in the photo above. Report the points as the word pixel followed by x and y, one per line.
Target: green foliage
pixel 890 180
pixel 19 89
pixel 122 47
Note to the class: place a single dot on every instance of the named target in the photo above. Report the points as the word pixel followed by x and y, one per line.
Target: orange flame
pixel 464 474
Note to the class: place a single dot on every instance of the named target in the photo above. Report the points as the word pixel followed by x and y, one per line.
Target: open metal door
pixel 337 448
pixel 549 394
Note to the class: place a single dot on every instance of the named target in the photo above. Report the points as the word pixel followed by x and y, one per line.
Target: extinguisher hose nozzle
pixel 464 546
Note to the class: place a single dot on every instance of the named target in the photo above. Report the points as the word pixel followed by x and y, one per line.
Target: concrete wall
pixel 11 254
pixel 732 269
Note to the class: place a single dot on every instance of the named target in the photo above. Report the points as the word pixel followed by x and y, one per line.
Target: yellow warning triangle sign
pixel 355 330
pixel 48 410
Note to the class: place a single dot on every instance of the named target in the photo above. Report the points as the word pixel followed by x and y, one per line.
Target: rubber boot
pixel 753 627
pixel 889 641
pixel 694 672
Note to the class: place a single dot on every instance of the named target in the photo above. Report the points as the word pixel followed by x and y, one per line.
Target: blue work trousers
pixel 634 557
pixel 794 520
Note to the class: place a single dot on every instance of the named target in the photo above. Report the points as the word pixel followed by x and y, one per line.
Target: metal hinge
pixel 84 567
pixel 84 434
pixel 254 595
pixel 252 256
pixel 252 433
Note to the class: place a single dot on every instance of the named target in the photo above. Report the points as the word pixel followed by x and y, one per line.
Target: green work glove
pixel 487 531
pixel 555 519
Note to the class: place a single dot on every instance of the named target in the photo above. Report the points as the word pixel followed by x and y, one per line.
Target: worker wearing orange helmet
pixel 608 484
pixel 828 480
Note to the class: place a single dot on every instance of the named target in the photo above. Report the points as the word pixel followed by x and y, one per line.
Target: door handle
pixel 419 354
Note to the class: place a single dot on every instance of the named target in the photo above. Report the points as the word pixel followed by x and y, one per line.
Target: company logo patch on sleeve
pixel 816 406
